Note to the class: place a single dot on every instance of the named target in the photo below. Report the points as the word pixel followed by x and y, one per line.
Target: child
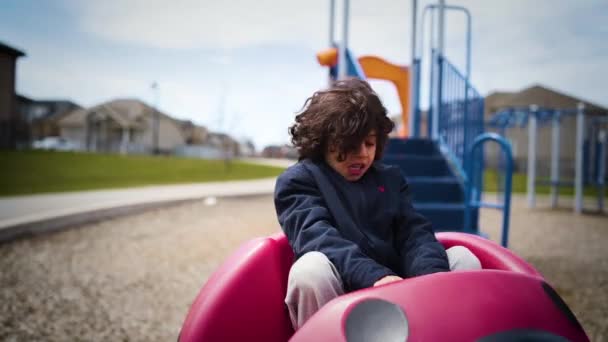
pixel 347 216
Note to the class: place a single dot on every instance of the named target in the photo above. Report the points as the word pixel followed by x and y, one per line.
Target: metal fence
pixel 460 110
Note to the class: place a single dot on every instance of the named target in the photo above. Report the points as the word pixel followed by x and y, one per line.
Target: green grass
pixel 520 184
pixel 30 172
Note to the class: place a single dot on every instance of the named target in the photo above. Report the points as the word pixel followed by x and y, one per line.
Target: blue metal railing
pixel 460 110
pixel 474 188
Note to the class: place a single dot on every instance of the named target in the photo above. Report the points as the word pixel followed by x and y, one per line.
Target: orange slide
pixel 378 68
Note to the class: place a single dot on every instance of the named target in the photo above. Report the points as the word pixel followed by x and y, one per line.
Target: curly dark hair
pixel 343 116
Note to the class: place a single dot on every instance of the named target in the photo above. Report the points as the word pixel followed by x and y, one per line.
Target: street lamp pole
pixel 156 120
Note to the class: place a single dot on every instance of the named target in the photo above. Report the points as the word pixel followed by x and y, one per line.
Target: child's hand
pixel 387 279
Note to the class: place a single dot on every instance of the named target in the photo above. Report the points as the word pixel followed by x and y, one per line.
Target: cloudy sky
pixel 254 61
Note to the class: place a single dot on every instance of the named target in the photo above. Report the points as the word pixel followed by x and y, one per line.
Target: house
pixel 42 116
pixel 518 136
pixel 125 126
pixel 214 146
pixel 194 134
pixel 280 151
pixel 246 148
pixel 13 129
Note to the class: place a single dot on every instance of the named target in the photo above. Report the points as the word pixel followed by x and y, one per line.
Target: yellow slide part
pixel 378 68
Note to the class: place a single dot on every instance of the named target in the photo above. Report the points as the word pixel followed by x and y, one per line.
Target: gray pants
pixel 314 281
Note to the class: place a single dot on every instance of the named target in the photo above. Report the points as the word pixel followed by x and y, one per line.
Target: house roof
pixel 124 112
pixel 53 110
pixel 9 50
pixel 75 118
pixel 544 97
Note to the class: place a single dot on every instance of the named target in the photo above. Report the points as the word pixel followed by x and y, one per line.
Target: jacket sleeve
pixel 420 251
pixel 307 223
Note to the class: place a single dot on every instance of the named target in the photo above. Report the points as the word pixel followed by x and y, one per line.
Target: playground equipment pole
pixel 601 175
pixel 156 122
pixel 578 173
pixel 440 46
pixel 332 20
pixel 555 147
pixel 531 188
pixel 441 34
pixel 332 24
pixel 342 67
pixel 413 89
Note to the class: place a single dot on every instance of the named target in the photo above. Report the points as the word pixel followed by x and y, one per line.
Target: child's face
pixel 357 162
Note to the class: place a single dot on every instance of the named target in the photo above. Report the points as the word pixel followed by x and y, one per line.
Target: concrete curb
pixel 55 224
pixel 27 216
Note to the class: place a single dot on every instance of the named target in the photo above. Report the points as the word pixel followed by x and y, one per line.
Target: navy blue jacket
pixel 368 229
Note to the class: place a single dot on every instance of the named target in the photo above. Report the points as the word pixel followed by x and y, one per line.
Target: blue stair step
pixel 445 217
pixel 420 147
pixel 419 166
pixel 435 189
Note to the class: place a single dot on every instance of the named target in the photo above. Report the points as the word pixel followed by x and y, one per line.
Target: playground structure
pixel 589 144
pixel 507 300
pixel 443 187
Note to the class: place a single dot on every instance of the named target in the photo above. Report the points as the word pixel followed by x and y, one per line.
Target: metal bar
pixel 342 66
pixel 432 108
pixel 601 174
pixel 438 99
pixel 332 21
pixel 469 30
pixel 487 205
pixel 416 99
pixel 332 27
pixel 578 172
pixel 413 82
pixel 471 192
pixel 465 119
pixel 532 138
pixel 441 28
pixel 555 149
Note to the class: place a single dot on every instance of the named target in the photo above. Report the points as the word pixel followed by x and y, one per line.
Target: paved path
pixel 51 211
pixel 26 215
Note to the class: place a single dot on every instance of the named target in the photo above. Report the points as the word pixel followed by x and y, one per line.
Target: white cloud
pixel 195 23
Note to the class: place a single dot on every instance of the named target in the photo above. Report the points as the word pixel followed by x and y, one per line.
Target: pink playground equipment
pixel 506 301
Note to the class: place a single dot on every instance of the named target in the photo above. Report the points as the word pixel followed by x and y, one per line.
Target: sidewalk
pixel 28 215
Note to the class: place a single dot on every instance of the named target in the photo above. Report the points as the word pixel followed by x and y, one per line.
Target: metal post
pixel 468 14
pixel 432 109
pixel 531 188
pixel 332 21
pixel 438 83
pixel 578 172
pixel 601 174
pixel 555 150
pixel 156 120
pixel 413 66
pixel 342 67
pixel 441 33
pixel 332 25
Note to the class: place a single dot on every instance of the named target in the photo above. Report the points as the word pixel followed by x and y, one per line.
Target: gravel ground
pixel 133 278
